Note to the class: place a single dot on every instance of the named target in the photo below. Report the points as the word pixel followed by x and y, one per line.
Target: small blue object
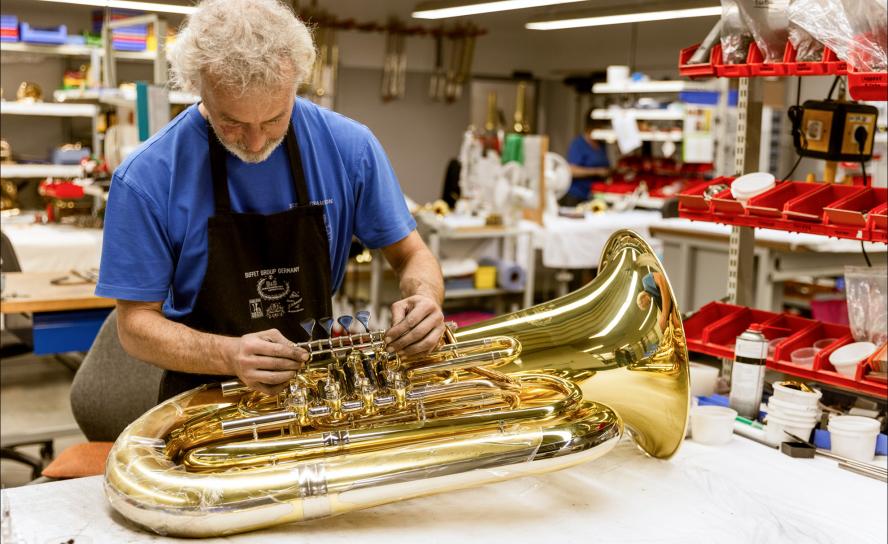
pixel 722 400
pixel 706 98
pixel 76 39
pixel 69 156
pixel 50 36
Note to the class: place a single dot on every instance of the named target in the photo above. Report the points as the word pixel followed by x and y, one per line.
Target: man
pixel 588 162
pixel 231 225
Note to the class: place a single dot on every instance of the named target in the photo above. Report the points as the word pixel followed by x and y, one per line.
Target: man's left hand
pixel 417 326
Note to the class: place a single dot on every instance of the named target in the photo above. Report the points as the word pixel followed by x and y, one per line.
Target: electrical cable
pixel 795 118
pixel 833 87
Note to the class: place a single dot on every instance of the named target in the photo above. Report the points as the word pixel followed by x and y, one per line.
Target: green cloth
pixel 513 149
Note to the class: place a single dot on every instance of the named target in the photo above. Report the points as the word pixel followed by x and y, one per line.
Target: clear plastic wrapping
pixel 867 293
pixel 735 36
pixel 808 49
pixel 856 30
pixel 768 23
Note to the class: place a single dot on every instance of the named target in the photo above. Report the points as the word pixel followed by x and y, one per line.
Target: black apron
pixel 263 271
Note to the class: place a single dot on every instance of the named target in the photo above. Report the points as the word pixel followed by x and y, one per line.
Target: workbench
pixel 66 315
pixel 695 256
pixel 740 492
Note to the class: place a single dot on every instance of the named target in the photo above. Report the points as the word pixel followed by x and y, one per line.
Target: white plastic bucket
pixel 712 425
pixel 795 396
pixel 784 407
pixel 777 426
pixel 853 437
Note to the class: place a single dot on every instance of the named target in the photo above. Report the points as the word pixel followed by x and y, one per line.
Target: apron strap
pixel 219 169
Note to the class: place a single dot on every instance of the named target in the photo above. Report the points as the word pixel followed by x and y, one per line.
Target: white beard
pixel 251 157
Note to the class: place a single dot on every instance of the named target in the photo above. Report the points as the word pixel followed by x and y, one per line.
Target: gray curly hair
pixel 240 45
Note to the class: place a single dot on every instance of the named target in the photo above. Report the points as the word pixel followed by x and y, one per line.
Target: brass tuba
pixel 359 428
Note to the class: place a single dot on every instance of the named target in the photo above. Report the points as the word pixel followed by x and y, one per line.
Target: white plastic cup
pixel 846 358
pixel 823 343
pixel 853 437
pixel 772 345
pixel 703 380
pixel 617 75
pixel 713 425
pixel 803 357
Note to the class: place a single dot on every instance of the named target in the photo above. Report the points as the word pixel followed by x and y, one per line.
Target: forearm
pixel 146 334
pixel 420 274
pixel 586 171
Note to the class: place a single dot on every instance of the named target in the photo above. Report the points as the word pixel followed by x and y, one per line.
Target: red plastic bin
pixel 704 69
pixel 722 334
pixel 806 337
pixel 758 66
pixel 868 85
pixel 692 198
pixel 725 203
pixel 730 70
pixel 851 210
pixel 878 217
pixel 809 207
pixel 770 204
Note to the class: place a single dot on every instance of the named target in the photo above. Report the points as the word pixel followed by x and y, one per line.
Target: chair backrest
pixel 7 255
pixel 111 389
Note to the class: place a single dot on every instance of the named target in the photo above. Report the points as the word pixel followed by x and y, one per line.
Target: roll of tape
pixel 511 277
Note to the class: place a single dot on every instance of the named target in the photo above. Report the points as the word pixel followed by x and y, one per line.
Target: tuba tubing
pixel 534 391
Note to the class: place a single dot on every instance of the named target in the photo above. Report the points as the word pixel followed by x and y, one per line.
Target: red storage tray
pixel 805 68
pixel 704 69
pixel 809 207
pixel 721 335
pixel 878 217
pixel 851 210
pixel 725 203
pixel 710 313
pixel 692 198
pixel 758 67
pixel 771 204
pixel 868 85
pixel 806 337
pixel 729 70
pixel 873 363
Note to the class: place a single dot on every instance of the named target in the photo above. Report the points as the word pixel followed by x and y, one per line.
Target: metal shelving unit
pixel 22 171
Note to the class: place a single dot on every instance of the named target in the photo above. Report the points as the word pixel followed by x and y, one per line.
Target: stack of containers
pixel 129 38
pixel 792 410
pixel 9 30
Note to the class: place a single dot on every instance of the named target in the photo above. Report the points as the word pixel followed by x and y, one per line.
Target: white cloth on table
pixel 54 248
pixel 577 243
pixel 736 493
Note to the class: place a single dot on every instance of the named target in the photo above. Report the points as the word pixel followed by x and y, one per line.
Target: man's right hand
pixel 264 361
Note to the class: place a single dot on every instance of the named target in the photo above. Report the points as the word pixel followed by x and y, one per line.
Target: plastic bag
pixel 807 48
pixel 769 24
pixel 856 30
pixel 735 37
pixel 866 289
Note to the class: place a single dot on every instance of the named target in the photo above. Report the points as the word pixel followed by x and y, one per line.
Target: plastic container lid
pixel 851 354
pixel 854 424
pixel 750 185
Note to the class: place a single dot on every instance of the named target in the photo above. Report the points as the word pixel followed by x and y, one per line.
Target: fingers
pixel 274 344
pixel 399 311
pixel 427 343
pixel 419 330
pixel 419 309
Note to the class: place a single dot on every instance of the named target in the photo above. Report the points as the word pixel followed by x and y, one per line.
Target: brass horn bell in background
pixel 534 391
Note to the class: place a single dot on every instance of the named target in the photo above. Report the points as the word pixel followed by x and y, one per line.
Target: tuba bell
pixel 359 427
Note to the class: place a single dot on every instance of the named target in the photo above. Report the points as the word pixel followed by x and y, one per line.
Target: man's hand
pixel 417 326
pixel 265 361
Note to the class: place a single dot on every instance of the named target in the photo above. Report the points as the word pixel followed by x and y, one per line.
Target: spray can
pixel 748 372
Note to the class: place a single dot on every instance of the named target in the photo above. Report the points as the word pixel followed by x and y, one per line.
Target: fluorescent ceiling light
pixel 580 22
pixel 443 10
pixel 127 4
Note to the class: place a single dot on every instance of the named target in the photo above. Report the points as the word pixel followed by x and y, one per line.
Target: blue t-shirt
pixel 155 241
pixel 583 154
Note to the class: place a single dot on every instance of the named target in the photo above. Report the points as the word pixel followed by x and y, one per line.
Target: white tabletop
pixel 741 492
pixel 53 247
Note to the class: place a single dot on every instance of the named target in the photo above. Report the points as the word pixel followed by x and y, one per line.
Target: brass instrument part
pixel 359 427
